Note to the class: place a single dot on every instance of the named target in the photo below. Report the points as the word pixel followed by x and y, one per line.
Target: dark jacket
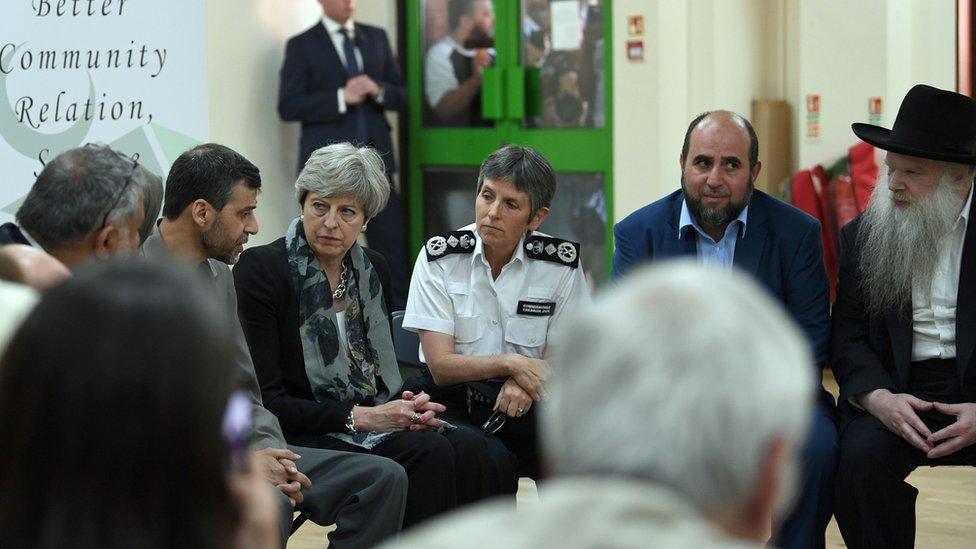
pixel 268 310
pixel 781 248
pixel 313 73
pixel 875 351
pixel 10 234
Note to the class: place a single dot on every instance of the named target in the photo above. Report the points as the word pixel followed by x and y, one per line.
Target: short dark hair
pixel 209 171
pixel 129 398
pixel 73 193
pixel 753 138
pixel 457 9
pixel 528 170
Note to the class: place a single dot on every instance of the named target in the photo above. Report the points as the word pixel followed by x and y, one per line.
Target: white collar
pixel 964 214
pixel 333 26
pixel 30 239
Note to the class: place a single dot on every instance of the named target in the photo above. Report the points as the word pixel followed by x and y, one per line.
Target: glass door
pixel 534 73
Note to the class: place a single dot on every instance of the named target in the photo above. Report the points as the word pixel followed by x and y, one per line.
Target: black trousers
pixel 444 471
pixel 874 506
pixel 519 435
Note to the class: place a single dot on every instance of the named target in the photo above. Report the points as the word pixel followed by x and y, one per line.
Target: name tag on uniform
pixel 536 308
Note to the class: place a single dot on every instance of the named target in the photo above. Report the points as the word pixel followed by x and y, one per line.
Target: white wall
pixel 246 43
pixel 849 52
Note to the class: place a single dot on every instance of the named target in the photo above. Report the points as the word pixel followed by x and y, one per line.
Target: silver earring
pixel 302 217
pixel 363 229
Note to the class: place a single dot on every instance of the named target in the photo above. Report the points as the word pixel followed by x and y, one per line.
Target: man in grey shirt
pixel 211 194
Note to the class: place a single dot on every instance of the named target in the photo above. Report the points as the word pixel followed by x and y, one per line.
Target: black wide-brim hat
pixel 931 123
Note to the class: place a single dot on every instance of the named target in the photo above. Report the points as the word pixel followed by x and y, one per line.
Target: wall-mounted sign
pixel 874 110
pixel 635 25
pixel 635 50
pixel 813 117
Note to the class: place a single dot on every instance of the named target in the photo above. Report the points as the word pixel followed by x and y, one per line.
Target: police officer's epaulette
pixel 454 242
pixel 556 250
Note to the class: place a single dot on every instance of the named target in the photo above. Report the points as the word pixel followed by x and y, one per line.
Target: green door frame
pixel 569 150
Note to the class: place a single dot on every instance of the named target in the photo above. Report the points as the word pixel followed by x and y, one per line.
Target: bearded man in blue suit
pixel 718 216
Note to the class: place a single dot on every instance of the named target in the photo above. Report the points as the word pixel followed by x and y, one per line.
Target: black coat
pixel 10 234
pixel 874 351
pixel 268 310
pixel 313 73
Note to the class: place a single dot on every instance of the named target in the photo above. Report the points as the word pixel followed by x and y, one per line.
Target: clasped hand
pixel 531 374
pixel 358 88
pixel 277 465
pixel 398 415
pixel 897 411
pixel 513 400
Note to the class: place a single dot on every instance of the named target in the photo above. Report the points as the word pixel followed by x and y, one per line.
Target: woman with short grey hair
pixel 314 314
pixel 344 169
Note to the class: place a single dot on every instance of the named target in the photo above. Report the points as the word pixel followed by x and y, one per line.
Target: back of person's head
pixel 208 172
pixel 683 377
pixel 528 170
pixel 152 201
pixel 111 398
pixel 77 193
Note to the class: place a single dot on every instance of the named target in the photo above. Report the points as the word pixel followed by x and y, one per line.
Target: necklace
pixel 343 278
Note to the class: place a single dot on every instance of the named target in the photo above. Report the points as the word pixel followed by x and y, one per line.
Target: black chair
pixel 407 346
pixel 414 371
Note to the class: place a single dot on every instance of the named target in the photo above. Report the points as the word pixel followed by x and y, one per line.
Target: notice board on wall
pixel 128 73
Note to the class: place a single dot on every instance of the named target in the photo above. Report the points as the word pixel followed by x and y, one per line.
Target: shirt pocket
pixel 528 335
pixel 459 297
pixel 538 293
pixel 467 329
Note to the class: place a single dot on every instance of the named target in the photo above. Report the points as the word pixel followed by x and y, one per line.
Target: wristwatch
pixel 351 423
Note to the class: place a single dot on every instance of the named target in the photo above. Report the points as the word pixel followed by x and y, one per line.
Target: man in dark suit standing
pixel 718 216
pixel 337 79
pixel 904 322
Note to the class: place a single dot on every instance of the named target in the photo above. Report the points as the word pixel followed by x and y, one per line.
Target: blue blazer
pixel 782 248
pixel 313 73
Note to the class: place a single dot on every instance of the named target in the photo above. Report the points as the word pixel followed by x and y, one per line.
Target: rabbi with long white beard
pixel 904 322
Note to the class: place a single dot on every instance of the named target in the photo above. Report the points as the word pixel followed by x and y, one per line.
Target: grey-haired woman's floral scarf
pixel 368 371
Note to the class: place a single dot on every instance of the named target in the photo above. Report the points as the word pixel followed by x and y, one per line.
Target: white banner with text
pixel 128 73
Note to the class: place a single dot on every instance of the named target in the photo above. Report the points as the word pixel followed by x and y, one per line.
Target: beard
pixel 900 246
pixel 479 38
pixel 220 245
pixel 710 218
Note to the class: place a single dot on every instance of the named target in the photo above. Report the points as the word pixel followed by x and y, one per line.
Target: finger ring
pixel 519 411
pixel 415 418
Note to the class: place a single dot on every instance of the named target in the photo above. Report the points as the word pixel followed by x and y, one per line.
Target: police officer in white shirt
pixel 487 299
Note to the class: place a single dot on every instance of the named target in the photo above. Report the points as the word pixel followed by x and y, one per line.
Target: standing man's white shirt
pixel 516 313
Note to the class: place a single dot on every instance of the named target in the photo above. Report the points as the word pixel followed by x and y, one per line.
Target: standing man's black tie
pixel 352 69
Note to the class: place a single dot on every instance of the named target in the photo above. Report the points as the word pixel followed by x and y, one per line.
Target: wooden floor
pixel 946 512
